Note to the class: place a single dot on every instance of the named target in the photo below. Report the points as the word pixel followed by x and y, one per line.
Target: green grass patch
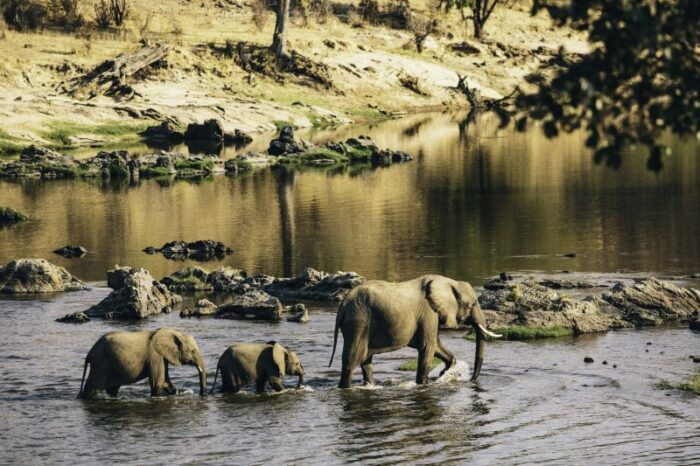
pixel 187 164
pixel 279 124
pixel 691 384
pixel 358 154
pixel 153 172
pixel 9 145
pixel 412 364
pixel 59 133
pixel 529 333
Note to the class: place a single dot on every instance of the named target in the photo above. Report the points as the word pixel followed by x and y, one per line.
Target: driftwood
pixel 478 102
pixel 110 77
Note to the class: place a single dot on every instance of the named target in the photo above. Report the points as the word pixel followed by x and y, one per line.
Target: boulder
pixel 652 302
pixel 76 318
pixel 36 276
pixel 115 164
pixel 226 279
pixel 694 325
pixel 136 295
pixel 166 131
pixel 238 138
pixel 285 143
pixel 34 155
pixel 189 279
pixel 204 307
pixel 255 304
pixel 297 313
pixel 70 252
pixel 11 217
pixel 210 130
pixel 314 285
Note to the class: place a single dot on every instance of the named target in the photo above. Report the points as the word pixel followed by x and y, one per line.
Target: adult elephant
pixel 258 363
pixel 122 358
pixel 379 317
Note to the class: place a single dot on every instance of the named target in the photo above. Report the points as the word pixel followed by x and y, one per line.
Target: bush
pixel 369 10
pixel 103 14
pixel 24 15
pixel 399 14
pixel 67 13
pixel 321 9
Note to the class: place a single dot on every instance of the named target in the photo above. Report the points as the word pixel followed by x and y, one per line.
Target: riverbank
pixel 368 72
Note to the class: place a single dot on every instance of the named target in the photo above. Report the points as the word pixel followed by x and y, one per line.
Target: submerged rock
pixel 10 217
pixel 75 318
pixel 136 295
pixel 255 304
pixel 70 252
pixel 297 313
pixel 652 302
pixel 201 250
pixel 36 276
pixel 204 307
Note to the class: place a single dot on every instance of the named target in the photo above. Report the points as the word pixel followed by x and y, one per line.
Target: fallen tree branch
pixel 478 102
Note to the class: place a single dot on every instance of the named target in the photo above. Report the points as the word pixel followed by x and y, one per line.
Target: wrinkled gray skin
pixel 122 358
pixel 379 317
pixel 261 363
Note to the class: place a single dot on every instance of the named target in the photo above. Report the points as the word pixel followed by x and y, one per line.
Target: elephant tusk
pixel 485 331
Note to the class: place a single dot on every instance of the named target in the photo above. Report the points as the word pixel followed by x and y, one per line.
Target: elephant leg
pixel 170 388
pixel 355 352
pixel 276 384
pixel 425 357
pixel 260 386
pixel 112 391
pixel 93 384
pixel 445 356
pixel 367 371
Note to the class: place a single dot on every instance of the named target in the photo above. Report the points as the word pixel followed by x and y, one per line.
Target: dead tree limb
pixel 110 77
pixel 478 102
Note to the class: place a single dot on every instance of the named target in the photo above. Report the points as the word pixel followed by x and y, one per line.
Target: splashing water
pixel 459 372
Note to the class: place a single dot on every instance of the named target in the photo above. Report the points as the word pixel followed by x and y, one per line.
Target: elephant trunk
pixel 478 321
pixel 301 378
pixel 201 368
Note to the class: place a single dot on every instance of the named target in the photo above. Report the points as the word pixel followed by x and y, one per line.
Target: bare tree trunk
pixel 279 39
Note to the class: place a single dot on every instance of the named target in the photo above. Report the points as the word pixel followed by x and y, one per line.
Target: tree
pixel 481 11
pixel 279 38
pixel 640 79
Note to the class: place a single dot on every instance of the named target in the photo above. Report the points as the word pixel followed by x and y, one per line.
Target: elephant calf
pixel 261 363
pixel 121 358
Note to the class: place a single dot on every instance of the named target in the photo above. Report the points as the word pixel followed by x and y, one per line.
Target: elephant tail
pixel 82 382
pixel 335 334
pixel 214 384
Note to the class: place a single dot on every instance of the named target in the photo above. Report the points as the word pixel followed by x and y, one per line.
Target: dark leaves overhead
pixel 640 79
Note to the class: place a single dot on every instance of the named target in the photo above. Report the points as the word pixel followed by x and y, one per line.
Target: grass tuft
pixel 691 384
pixel 59 133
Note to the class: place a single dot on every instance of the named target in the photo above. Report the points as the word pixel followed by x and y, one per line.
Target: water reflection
pixel 476 200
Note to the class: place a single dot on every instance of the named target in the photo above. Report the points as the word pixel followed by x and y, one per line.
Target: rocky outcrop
pixel 309 285
pixel 255 305
pixel 136 295
pixel 203 308
pixel 189 279
pixel 201 250
pixel 36 276
pixel 71 252
pixel 314 285
pixel 528 304
pixel 285 143
pixel 212 130
pixel 653 302
pixel 9 217
pixel 166 131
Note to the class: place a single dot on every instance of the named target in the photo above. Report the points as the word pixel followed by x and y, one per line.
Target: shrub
pixel 67 13
pixel 24 15
pixel 260 13
pixel 120 10
pixel 103 14
pixel 369 10
pixel 321 9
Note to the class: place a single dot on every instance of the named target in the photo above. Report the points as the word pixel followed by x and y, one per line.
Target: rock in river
pixel 136 295
pixel 204 307
pixel 189 279
pixel 254 304
pixel 201 250
pixel 11 217
pixel 652 302
pixel 36 276
pixel 285 143
pixel 314 285
pixel 297 313
pixel 70 252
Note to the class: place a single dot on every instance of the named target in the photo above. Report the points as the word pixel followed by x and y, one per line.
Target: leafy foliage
pixel 639 81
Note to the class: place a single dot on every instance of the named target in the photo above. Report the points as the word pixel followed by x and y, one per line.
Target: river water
pixel 474 201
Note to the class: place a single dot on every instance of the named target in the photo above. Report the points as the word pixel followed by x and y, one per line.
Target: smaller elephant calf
pixel 261 363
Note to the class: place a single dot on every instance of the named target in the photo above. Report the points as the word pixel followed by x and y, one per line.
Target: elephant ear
pixel 443 298
pixel 167 344
pixel 279 355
